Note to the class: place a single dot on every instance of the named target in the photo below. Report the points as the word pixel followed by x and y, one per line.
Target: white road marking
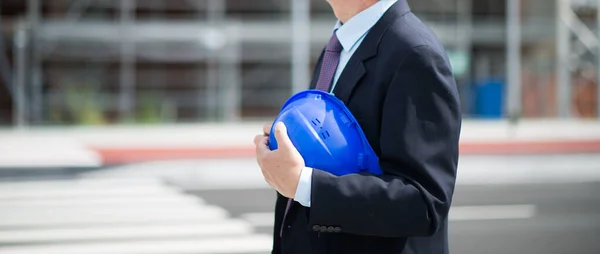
pixel 69 193
pixel 241 244
pixel 24 150
pixel 63 217
pixel 457 213
pixel 498 212
pixel 81 202
pixel 118 232
pixel 122 215
pixel 260 219
pixel 79 183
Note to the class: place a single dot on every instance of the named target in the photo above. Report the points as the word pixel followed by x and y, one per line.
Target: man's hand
pixel 281 168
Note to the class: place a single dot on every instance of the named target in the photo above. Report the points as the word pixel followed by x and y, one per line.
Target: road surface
pixel 516 204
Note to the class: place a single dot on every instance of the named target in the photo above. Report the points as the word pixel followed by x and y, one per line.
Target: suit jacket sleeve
pixel 420 129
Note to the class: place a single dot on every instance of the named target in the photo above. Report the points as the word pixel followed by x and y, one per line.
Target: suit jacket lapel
pixel 353 72
pixel 355 68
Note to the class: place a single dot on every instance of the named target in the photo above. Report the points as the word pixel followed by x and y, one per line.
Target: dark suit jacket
pixel 400 87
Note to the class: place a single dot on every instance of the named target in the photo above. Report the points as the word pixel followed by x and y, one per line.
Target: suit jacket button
pixel 337 229
pixel 316 228
pixel 323 229
pixel 330 229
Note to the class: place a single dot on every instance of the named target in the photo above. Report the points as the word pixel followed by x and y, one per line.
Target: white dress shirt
pixel 350 35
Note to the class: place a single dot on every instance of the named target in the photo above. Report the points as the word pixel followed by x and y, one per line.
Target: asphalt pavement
pixel 532 219
pixel 515 210
pixel 503 204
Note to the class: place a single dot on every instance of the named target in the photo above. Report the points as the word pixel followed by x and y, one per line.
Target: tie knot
pixel 334 44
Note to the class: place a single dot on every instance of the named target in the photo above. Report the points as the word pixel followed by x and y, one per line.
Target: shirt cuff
pixel 304 187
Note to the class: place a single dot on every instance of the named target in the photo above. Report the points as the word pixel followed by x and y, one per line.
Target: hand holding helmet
pixel 326 134
pixel 272 162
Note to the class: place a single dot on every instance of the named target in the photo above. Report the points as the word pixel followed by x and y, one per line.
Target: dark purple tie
pixel 331 58
pixel 329 65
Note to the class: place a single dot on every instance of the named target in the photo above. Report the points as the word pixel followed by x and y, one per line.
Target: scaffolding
pixel 217 41
pixel 37 38
pixel 575 38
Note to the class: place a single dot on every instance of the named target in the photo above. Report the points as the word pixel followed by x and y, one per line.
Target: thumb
pixel 281 135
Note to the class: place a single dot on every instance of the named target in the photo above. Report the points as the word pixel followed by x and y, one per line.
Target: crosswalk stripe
pixel 121 215
pixel 231 245
pixel 265 219
pixel 138 201
pixel 131 232
pixel 79 183
pixel 107 216
pixel 104 211
pixel 68 193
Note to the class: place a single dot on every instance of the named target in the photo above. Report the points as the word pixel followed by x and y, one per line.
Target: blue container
pixel 326 134
pixel 489 99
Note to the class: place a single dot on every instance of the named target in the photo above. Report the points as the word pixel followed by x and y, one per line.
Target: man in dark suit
pixel 393 74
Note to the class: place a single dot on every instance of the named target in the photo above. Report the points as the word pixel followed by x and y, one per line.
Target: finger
pixel 267 129
pixel 261 143
pixel 281 135
pixel 258 139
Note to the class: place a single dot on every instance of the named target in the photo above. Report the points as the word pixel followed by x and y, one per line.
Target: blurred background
pixel 199 60
pixel 127 126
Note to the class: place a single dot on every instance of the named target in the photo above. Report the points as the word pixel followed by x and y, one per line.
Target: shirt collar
pixel 350 33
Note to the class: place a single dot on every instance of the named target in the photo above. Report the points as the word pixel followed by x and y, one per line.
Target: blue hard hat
pixel 326 134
